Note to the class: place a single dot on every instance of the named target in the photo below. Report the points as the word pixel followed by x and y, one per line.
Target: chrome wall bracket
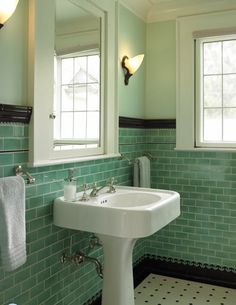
pixel 19 172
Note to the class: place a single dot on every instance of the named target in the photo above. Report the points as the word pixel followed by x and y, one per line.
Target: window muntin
pixel 216 92
pixel 77 102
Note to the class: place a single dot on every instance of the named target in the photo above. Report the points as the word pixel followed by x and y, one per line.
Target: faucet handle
pixel 111 185
pixel 111 181
pixel 85 187
pixel 94 186
pixel 85 196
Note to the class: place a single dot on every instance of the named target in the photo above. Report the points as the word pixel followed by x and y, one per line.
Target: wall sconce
pixel 7 8
pixel 131 65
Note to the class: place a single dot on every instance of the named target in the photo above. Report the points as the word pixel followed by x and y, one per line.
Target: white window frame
pixel 57 102
pixel 41 79
pixel 188 29
pixel 199 93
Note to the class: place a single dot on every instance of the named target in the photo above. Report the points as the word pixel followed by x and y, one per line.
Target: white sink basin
pixel 129 213
pixel 131 199
pixel 119 219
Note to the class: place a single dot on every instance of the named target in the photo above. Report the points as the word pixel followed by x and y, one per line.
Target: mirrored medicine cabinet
pixel 72 80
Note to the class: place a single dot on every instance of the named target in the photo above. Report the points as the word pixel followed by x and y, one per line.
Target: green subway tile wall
pixel 205 232
pixel 43 280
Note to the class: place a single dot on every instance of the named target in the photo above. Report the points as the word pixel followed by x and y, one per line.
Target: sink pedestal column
pixel 118 288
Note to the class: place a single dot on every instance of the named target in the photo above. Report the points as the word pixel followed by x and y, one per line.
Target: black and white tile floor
pixel 164 290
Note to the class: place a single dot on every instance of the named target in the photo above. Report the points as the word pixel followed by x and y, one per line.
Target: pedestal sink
pixel 119 219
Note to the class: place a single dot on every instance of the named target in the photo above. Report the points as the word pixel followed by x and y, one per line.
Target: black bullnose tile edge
pixel 126 122
pixel 187 270
pixel 15 114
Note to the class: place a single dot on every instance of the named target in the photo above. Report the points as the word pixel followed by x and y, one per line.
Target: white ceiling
pixel 159 10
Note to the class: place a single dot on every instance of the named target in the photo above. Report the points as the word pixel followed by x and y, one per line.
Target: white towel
pixel 12 222
pixel 142 172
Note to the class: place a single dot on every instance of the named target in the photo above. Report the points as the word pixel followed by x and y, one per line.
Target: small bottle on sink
pixel 70 186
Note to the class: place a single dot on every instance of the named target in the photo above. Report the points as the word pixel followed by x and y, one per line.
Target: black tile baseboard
pixel 208 274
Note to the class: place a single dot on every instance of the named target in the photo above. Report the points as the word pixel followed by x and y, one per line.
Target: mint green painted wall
pixel 160 96
pixel 132 41
pixel 13 57
pixel 13 60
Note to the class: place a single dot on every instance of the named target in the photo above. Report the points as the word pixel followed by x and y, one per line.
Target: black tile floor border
pixel 180 270
pixel 186 271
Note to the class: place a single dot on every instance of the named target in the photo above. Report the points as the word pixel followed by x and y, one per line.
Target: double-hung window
pixel 206 82
pixel 77 101
pixel 216 91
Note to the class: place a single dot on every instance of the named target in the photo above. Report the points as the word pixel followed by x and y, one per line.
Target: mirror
pixel 73 80
pixel 76 77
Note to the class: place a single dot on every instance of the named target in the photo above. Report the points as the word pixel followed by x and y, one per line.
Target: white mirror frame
pixel 41 80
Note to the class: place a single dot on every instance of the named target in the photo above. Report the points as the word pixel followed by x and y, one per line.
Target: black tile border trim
pixel 22 114
pixel 127 122
pixel 209 274
pixel 198 272
pixel 15 114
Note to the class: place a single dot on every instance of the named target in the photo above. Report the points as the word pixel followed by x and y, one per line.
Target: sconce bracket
pixel 126 70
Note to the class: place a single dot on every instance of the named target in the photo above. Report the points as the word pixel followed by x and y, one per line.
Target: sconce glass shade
pixel 131 65
pixel 7 8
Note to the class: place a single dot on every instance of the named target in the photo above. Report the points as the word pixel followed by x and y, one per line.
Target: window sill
pixel 213 149
pixel 72 160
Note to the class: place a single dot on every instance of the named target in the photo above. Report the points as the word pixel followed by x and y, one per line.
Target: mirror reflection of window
pixel 77 101
pixel 76 78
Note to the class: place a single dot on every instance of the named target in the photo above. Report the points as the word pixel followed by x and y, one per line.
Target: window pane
pixel 93 125
pixel 229 90
pixel 80 70
pixel 67 70
pixel 213 91
pixel 212 125
pixel 67 125
pixel 212 58
pixel 66 98
pixel 79 107
pixel 80 97
pixel 93 69
pixel 80 125
pixel 93 97
pixel 57 127
pixel 229 127
pixel 229 56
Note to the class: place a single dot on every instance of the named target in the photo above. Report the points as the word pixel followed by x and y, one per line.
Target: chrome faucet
pixel 110 184
pixel 95 190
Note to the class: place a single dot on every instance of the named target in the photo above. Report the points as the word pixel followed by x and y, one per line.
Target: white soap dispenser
pixel 70 186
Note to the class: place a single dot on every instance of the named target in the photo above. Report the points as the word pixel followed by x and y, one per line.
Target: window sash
pixel 185 72
pixel 58 139
pixel 199 96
